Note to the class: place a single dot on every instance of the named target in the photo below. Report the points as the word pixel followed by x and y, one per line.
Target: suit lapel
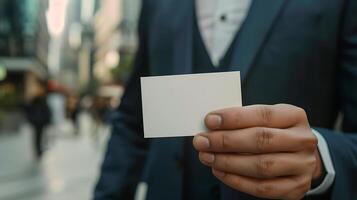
pixel 182 36
pixel 254 32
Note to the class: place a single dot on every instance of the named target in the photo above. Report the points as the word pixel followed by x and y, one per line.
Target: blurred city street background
pixel 68 169
pixel 63 67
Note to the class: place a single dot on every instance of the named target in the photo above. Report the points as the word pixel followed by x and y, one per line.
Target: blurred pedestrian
pixel 39 116
pixel 73 110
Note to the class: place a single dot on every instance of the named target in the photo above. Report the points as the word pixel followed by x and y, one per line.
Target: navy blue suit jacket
pixel 299 52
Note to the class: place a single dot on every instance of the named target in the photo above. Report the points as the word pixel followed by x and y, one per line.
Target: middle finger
pixel 252 140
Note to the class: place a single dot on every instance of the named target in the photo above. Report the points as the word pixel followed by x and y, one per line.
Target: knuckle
pixel 222 162
pixel 236 119
pixel 264 138
pixel 302 186
pixel 313 142
pixel 265 114
pixel 265 189
pixel 309 142
pixel 311 162
pixel 264 166
pixel 226 163
pixel 236 182
pixel 225 138
pixel 301 113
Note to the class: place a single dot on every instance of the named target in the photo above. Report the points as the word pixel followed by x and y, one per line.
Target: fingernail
pixel 207 158
pixel 213 121
pixel 218 173
pixel 202 142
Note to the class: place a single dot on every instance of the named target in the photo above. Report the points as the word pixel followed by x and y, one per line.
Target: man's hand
pixel 265 151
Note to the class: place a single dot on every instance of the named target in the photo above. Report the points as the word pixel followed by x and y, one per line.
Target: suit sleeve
pixel 343 147
pixel 126 149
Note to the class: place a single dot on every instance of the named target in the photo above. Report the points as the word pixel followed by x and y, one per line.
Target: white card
pixel 177 105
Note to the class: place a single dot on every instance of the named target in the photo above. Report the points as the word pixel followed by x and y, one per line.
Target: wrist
pixel 324 174
pixel 319 172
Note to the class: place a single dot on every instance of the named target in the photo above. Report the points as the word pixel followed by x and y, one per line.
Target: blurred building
pixel 101 38
pixel 115 38
pixel 22 38
pixel 79 44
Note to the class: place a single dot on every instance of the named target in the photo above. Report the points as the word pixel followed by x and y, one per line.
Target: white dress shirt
pixel 218 22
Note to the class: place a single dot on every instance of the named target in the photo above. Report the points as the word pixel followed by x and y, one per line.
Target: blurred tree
pixel 122 72
pixel 9 97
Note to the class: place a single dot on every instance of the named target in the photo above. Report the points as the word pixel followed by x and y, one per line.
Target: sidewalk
pixel 68 170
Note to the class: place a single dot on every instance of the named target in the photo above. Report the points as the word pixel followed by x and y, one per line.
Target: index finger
pixel 273 116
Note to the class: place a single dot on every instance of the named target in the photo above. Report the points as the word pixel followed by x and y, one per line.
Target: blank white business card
pixel 176 105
